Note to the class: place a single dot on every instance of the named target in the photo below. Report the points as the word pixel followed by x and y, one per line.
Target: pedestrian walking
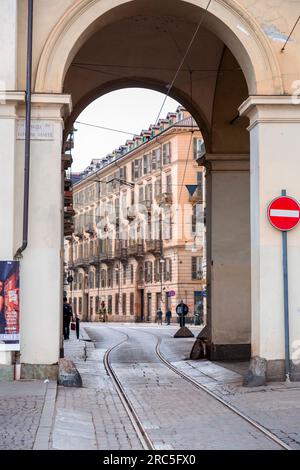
pixel 67 317
pixel 168 316
pixel 159 315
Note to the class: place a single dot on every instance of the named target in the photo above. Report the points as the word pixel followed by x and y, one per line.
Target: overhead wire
pixel 289 36
pixel 183 60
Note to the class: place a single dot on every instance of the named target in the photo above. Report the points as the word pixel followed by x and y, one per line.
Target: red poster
pixel 9 306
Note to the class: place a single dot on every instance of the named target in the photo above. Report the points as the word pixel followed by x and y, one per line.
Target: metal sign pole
pixel 286 301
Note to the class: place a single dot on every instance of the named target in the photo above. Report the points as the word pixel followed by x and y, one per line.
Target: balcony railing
pixel 94 260
pixel 81 263
pixel 136 250
pixel 121 253
pixel 154 247
pixel 106 256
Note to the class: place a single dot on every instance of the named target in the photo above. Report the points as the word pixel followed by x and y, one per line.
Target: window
pixel 97 279
pixel 80 281
pixel 131 307
pixel 131 274
pixel 157 265
pixel 91 280
pixel 157 187
pixel 91 305
pixel 103 278
pixel 141 194
pixel 146 164
pixel 109 304
pixel 109 278
pixel 132 197
pixel 80 305
pixel 148 271
pixel 148 192
pixel 169 184
pixel 75 305
pixel 156 159
pixel 117 304
pixel 197 272
pixel 198 148
pixel 122 173
pixel 167 153
pixel 97 304
pixel 124 304
pixel 168 269
pixel 117 276
pixel 197 219
pixel 137 168
pixel 167 224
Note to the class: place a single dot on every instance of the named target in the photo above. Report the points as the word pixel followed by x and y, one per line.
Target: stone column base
pixel 228 352
pixel 39 371
pixel 262 371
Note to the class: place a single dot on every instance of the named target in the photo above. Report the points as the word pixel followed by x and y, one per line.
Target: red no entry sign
pixel 284 213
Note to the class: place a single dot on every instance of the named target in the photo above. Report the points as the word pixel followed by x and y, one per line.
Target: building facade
pixel 138 238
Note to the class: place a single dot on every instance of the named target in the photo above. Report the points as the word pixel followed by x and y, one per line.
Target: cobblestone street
pixel 21 405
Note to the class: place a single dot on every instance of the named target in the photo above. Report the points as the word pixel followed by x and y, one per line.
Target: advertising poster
pixel 9 306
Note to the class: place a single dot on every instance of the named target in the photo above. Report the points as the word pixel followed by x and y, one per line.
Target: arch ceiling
pixel 96 48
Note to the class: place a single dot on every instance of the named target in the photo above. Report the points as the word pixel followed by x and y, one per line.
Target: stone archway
pixel 235 38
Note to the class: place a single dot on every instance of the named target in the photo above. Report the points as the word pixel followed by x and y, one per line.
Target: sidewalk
pixel 91 417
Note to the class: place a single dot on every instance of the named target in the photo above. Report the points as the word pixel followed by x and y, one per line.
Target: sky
pixel 130 110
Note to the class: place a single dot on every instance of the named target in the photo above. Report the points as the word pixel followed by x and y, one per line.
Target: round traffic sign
pixel 284 213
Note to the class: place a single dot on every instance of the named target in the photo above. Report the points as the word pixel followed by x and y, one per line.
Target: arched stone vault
pixel 228 20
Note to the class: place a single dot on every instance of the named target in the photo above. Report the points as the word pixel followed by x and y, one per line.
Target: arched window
pixel 91 280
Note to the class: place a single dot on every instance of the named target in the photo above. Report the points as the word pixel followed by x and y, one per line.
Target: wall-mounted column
pixel 8 100
pixel 228 256
pixel 41 265
pixel 275 165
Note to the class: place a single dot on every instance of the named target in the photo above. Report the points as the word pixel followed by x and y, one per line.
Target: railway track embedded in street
pixel 136 422
pixel 137 425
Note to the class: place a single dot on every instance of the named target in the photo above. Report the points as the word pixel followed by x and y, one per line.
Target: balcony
pixel 165 198
pixel 66 160
pixel 81 263
pixel 136 250
pixel 154 247
pixel 121 253
pixel 68 196
pixel 94 260
pixel 69 212
pixel 107 256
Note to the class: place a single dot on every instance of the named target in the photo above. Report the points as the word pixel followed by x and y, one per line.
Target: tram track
pixel 136 422
pixel 133 416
